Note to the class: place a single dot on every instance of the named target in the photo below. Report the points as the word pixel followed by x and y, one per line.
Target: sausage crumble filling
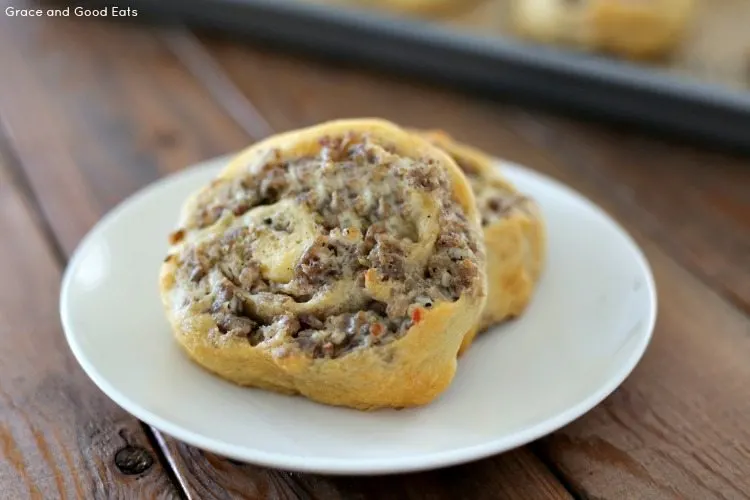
pixel 496 200
pixel 365 224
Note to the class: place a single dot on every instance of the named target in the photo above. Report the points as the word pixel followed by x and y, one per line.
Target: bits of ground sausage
pixel 196 274
pixel 357 191
pixel 225 300
pixel 465 275
pixel 318 264
pixel 273 184
pixel 249 275
pixel 388 258
pixel 372 235
pixel 211 203
pixel 451 239
pixel 231 324
pixel 426 179
pixel 501 204
pixel 495 200
pixel 284 327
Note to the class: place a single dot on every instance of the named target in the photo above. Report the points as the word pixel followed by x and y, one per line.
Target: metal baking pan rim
pixel 534 55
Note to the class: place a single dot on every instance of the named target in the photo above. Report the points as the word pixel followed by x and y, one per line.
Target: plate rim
pixel 365 466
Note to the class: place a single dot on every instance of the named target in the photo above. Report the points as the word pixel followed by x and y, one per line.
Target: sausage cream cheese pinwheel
pixel 514 234
pixel 342 262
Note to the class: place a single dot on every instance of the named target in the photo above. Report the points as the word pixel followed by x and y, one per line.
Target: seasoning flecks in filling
pixel 495 198
pixel 328 253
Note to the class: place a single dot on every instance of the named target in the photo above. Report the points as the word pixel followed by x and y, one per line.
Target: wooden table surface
pixel 90 112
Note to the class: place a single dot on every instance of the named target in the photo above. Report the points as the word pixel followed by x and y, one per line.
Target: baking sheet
pixel 701 96
pixel 715 50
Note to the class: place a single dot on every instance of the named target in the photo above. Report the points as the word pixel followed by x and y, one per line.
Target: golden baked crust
pixel 269 283
pixel 633 29
pixel 514 234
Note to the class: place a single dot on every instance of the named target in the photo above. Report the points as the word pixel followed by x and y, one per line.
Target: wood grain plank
pixel 74 139
pixel 695 204
pixel 676 427
pixel 97 110
pixel 201 64
pixel 517 474
pixel 92 125
pixel 59 436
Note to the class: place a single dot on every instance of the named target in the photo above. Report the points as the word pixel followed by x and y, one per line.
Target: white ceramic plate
pixel 588 326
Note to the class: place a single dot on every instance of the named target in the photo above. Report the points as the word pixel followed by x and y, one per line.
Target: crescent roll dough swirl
pixel 343 262
pixel 514 234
